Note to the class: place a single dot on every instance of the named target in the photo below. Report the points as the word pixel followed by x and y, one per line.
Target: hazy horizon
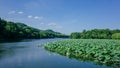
pixel 64 16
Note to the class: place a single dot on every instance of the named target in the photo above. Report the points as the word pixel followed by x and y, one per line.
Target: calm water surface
pixel 31 54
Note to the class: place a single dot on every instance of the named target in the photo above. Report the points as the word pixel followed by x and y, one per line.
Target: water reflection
pixel 31 54
pixel 8 50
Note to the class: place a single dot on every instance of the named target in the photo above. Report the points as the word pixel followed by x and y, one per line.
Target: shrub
pixel 116 36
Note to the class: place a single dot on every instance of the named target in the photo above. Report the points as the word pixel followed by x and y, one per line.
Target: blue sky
pixel 64 16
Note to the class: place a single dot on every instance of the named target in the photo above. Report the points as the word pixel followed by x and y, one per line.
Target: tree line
pixel 96 34
pixel 15 30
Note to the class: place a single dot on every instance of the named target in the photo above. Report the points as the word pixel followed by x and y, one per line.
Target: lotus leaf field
pixel 102 51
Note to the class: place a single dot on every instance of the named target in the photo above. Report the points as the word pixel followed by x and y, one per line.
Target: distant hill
pixel 12 30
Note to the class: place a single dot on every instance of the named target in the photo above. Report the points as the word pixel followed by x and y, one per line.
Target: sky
pixel 64 16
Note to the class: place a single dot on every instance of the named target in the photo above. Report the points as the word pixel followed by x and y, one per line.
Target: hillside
pixel 13 30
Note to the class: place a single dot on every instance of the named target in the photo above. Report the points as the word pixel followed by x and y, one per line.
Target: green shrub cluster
pixel 116 36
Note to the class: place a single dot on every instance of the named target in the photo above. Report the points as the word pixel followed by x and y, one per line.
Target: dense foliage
pixel 116 36
pixel 96 34
pixel 101 51
pixel 11 30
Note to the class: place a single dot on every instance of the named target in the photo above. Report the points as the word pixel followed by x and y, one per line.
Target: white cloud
pixel 15 12
pixel 20 12
pixel 54 25
pixel 30 16
pixel 37 17
pixel 11 12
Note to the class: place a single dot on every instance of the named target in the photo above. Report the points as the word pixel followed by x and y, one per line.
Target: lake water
pixel 31 54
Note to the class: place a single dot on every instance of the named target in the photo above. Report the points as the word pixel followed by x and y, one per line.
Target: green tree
pixel 116 36
pixel 75 35
pixel 12 30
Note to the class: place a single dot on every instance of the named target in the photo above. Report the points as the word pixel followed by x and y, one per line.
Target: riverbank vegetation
pixel 102 51
pixel 96 34
pixel 14 30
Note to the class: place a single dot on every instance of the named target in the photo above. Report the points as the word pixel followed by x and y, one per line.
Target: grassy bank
pixel 98 50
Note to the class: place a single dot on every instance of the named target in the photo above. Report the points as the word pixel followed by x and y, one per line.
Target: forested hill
pixel 12 30
pixel 97 34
